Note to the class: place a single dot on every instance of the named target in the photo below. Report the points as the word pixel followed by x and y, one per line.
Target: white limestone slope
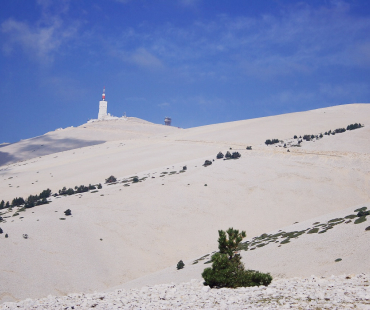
pixel 151 225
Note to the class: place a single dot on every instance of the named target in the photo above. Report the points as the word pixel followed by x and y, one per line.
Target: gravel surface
pixel 336 292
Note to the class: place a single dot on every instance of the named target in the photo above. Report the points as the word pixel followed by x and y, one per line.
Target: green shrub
pixel 45 193
pixel 67 212
pixel 272 141
pixel 220 155
pixel 135 179
pixel 338 260
pixel 111 179
pixel 354 126
pixel 235 155
pixel 313 231
pixel 339 130
pixel 360 220
pixel 363 213
pixel 180 265
pixel 351 216
pixel 17 202
pixel 6 235
pixel 81 189
pixel 227 269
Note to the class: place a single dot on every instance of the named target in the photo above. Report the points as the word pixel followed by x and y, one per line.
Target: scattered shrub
pixel 321 135
pixel 360 209
pixel 111 179
pixel 235 155
pixel 249 148
pixel 64 191
pixel 227 155
pixel 227 269
pixel 17 202
pixel 220 155
pixel 363 213
pixel 307 137
pixel 339 130
pixel 6 235
pixel 81 189
pixel 338 260
pixel 1 231
pixel 354 126
pixel 25 236
pixel 313 231
pixel 100 186
pixel 180 265
pixel 360 220
pixel 2 204
pixel 295 137
pixel 367 228
pixel 135 180
pixel 184 168
pixel 67 212
pixel 272 141
pixel 207 163
pixel 45 194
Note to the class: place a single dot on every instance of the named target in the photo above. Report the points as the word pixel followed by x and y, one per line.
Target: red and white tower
pixel 103 95
pixel 103 106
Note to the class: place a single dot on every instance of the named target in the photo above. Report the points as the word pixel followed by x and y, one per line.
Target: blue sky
pixel 197 61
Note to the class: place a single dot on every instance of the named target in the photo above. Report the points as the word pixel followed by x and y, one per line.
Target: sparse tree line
pixel 41 199
pixel 319 136
pixel 228 155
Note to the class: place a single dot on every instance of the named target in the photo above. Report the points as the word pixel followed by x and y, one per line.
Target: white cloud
pixel 299 40
pixel 39 41
pixel 164 105
pixel 144 58
pixel 45 37
pixel 140 57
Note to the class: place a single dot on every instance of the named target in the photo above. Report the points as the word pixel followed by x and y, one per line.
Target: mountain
pixel 121 234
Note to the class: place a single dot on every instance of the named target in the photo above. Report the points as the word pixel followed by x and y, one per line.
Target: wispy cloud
pixel 164 105
pixel 301 39
pixel 140 57
pixel 43 39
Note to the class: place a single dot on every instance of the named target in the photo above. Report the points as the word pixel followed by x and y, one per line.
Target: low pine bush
pixel 180 265
pixel 354 126
pixel 111 179
pixel 220 155
pixel 272 141
pixel 227 269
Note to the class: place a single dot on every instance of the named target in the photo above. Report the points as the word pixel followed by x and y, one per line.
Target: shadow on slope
pixel 41 146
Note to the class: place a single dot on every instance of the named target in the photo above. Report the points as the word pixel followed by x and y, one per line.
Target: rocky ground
pixel 336 292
